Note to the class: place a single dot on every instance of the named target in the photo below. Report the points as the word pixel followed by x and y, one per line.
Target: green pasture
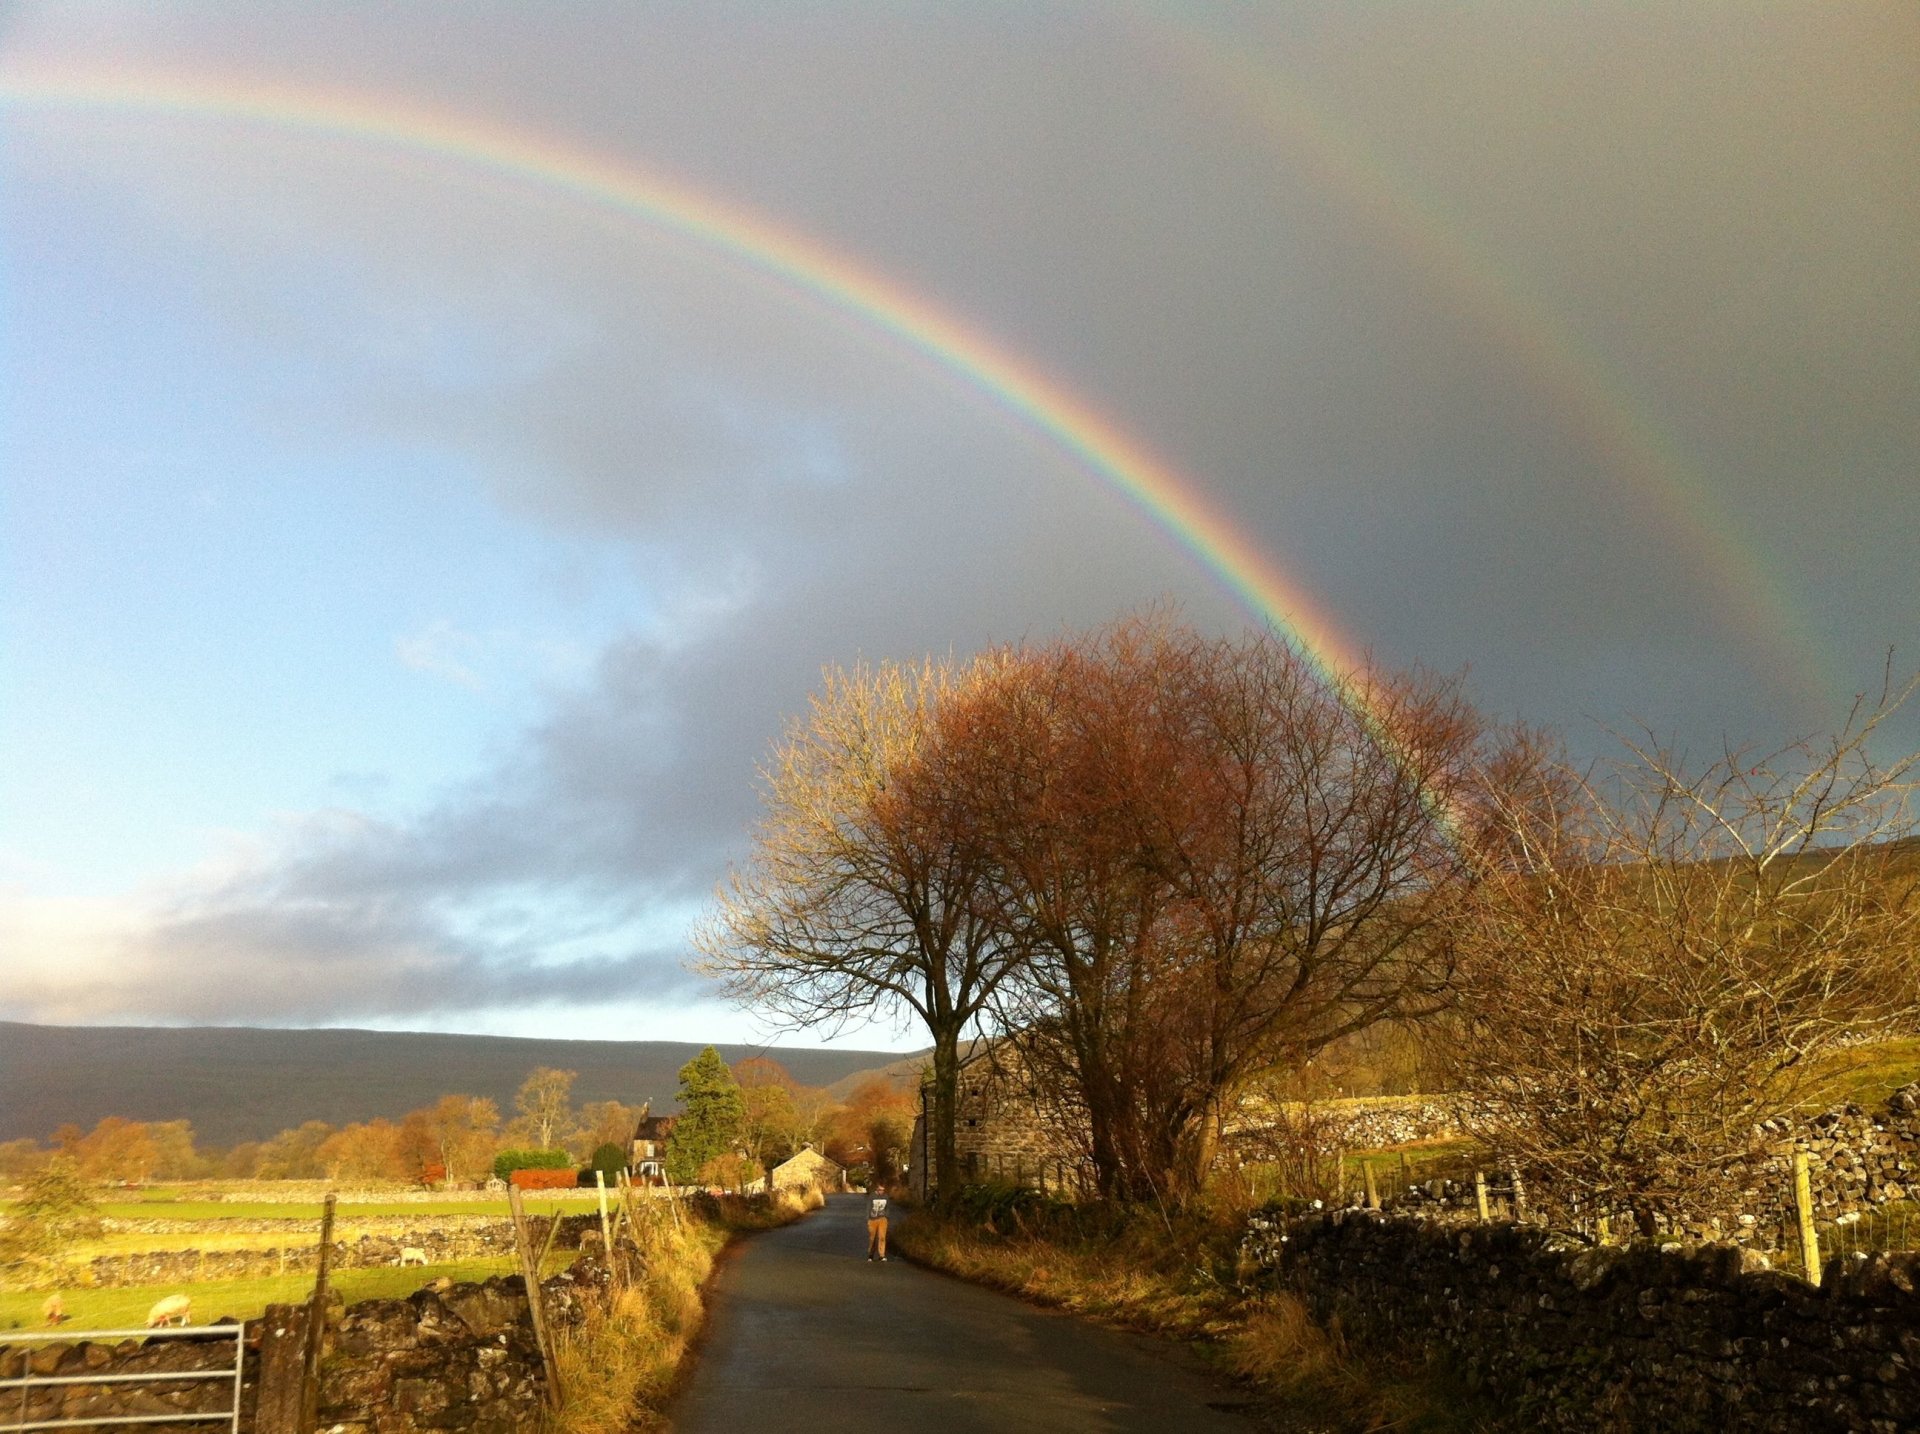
pixel 244 1299
pixel 153 1205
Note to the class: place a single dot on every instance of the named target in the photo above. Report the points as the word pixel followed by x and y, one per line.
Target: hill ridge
pixel 250 1082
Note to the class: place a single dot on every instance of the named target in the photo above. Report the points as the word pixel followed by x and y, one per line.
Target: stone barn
pixel 809 1167
pixel 1005 1129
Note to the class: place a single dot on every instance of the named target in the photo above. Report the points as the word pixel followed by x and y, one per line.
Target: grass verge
pixel 621 1366
pixel 1176 1276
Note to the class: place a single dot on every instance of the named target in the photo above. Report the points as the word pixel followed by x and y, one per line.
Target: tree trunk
pixel 1109 1170
pixel 941 1115
pixel 1194 1147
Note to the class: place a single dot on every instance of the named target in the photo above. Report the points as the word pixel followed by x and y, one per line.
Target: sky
pixel 441 445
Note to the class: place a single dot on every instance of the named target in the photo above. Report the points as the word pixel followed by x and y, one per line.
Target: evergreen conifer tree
pixel 712 1112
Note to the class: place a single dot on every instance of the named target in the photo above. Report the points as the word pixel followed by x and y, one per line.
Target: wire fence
pixel 1882 1229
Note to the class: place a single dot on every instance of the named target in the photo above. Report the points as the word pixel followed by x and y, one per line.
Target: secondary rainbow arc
pixel 1734 572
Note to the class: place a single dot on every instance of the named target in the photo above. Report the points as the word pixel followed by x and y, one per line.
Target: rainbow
pixel 1739 578
pixel 1166 497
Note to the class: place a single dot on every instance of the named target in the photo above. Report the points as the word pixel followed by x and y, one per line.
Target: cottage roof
pixel 808 1158
pixel 654 1127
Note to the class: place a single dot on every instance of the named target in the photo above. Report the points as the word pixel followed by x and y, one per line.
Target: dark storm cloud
pixel 278 963
pixel 1717 233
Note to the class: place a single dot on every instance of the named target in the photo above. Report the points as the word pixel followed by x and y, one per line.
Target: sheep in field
pixel 412 1255
pixel 54 1310
pixel 174 1309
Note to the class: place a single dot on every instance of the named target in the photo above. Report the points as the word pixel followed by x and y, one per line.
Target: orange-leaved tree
pixel 1215 860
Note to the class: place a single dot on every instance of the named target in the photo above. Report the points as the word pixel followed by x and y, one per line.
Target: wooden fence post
pixel 1480 1194
pixel 530 1273
pixel 606 1230
pixel 1373 1193
pixel 630 1202
pixel 1803 1208
pixel 1519 1193
pixel 316 1325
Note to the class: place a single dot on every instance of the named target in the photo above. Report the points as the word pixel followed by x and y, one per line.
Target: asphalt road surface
pixel 806 1333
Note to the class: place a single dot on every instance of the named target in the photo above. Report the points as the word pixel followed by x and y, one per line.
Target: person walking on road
pixel 877 1225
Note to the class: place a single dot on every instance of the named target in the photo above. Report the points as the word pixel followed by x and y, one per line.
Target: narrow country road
pixel 807 1334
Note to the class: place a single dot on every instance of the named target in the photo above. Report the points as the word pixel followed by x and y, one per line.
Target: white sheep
pixel 54 1310
pixel 412 1255
pixel 174 1309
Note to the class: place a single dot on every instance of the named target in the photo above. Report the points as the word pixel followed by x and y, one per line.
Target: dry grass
pixel 1175 1277
pixel 620 1367
pixel 1866 1074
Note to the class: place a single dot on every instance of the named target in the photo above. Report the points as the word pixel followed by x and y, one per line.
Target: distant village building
pixel 648 1159
pixel 1006 1129
pixel 809 1167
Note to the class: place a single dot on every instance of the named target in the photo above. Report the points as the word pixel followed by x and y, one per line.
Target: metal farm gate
pixel 220 1406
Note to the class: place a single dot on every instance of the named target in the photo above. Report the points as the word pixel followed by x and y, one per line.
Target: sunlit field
pixel 126 1308
pixel 196 1224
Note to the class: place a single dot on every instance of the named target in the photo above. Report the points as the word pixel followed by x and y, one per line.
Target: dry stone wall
pixel 449 1356
pixel 1857 1159
pixel 1859 1162
pixel 462 1357
pixel 1568 1337
pixel 492 1240
pixel 1378 1124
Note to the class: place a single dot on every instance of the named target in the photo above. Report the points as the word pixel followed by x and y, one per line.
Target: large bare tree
pixel 1664 950
pixel 860 897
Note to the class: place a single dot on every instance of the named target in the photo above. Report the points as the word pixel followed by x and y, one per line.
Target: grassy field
pixel 200 1221
pixel 154 1206
pixel 1867 1075
pixel 343 1214
pixel 242 1299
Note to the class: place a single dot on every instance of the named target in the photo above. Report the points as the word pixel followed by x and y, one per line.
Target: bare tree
pixel 859 898
pixel 1661 951
pixel 545 1103
pixel 603 1122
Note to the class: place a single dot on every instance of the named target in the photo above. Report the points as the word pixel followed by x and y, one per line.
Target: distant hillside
pixel 901 1072
pixel 239 1083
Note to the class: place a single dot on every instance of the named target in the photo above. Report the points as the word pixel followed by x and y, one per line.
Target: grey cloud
pixel 251 953
pixel 1341 340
